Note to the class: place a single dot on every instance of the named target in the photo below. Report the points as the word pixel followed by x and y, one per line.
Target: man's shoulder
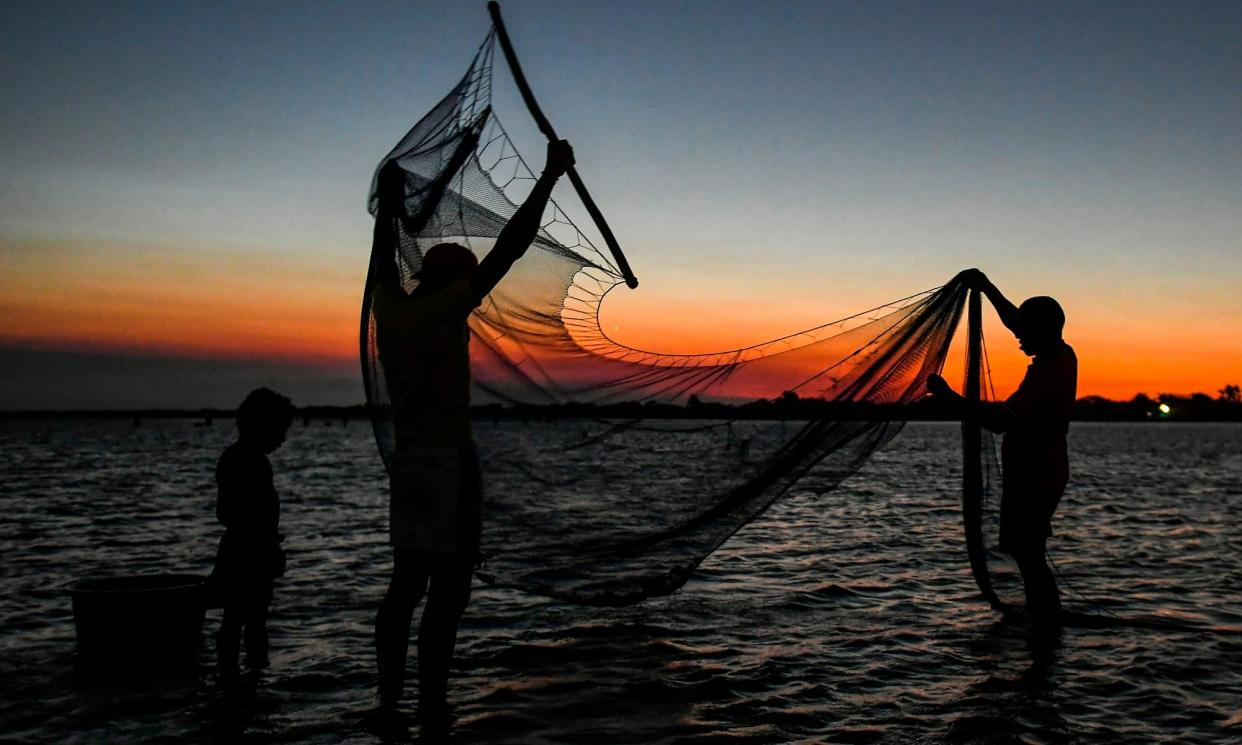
pixel 1061 367
pixel 457 297
pixel 1067 356
pixel 452 302
pixel 393 308
pixel 384 296
pixel 458 294
pixel 1060 357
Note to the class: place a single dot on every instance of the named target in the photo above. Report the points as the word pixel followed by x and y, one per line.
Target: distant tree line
pixel 1197 407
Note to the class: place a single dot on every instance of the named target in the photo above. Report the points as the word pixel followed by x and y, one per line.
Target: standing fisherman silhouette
pixel 1034 420
pixel 434 507
pixel 250 557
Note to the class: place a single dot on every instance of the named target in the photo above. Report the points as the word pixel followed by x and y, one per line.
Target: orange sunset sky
pixel 184 189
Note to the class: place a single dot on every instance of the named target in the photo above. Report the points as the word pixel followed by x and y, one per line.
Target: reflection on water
pixel 844 618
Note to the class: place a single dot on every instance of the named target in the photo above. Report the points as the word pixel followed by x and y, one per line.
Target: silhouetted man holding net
pixel 434 514
pixel 1034 420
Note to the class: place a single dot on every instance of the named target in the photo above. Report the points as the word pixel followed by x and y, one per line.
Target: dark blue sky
pixel 857 151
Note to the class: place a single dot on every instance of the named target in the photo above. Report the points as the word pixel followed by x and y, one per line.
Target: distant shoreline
pixel 1195 408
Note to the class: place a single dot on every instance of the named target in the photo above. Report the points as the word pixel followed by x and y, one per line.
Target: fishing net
pixel 995 573
pixel 655 459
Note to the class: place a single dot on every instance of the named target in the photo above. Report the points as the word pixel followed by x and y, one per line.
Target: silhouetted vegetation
pixel 1197 407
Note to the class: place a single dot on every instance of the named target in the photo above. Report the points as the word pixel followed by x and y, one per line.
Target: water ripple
pixel 844 618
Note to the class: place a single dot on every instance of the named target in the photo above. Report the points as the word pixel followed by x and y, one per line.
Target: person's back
pixel 1034 451
pixel 424 348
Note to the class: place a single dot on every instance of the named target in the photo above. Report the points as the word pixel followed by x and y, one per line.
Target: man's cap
pixel 1042 314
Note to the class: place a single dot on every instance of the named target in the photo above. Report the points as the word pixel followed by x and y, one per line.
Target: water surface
pixel 847 617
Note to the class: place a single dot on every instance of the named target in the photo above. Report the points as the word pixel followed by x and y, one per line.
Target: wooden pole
pixel 546 128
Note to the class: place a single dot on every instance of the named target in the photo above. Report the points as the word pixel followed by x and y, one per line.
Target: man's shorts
pixel 434 503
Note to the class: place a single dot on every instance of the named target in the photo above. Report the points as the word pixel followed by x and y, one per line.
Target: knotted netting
pixel 655 459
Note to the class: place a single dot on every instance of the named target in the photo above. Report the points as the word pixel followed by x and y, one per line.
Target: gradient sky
pixel 182 185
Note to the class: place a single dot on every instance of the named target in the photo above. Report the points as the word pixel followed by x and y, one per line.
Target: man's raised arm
pixel 517 236
pixel 384 238
pixel 1007 311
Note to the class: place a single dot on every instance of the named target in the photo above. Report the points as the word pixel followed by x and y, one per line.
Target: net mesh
pixel 626 496
pixel 995 573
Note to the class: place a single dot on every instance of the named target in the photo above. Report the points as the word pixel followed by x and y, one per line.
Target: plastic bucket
pixel 153 618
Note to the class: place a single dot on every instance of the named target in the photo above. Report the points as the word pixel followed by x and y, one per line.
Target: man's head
pixel 444 263
pixel 264 418
pixel 1040 323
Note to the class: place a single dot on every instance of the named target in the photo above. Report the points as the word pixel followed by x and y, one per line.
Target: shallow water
pixel 849 617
